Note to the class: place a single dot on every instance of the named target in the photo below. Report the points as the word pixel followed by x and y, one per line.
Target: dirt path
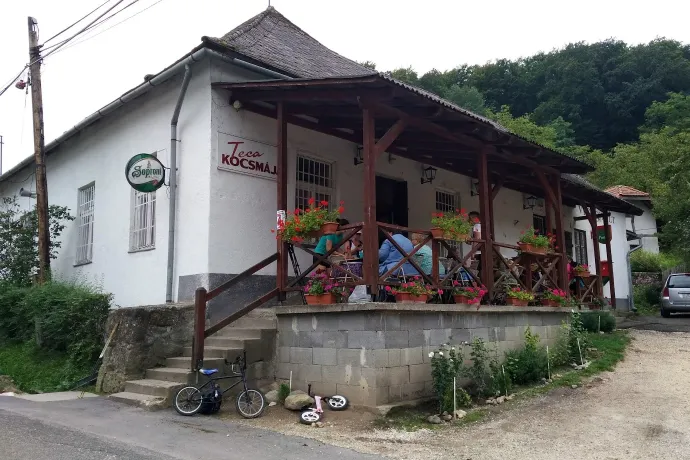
pixel 641 411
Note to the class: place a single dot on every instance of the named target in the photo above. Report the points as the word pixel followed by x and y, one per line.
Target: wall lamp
pixel 428 175
pixel 530 202
pixel 27 193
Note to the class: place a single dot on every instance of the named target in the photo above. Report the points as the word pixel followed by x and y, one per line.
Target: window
pixel 142 233
pixel 539 224
pixel 448 202
pixel 580 247
pixel 315 179
pixel 85 220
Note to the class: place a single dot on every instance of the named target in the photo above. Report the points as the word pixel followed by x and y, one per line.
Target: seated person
pixel 389 256
pixel 423 256
pixel 354 247
pixel 326 243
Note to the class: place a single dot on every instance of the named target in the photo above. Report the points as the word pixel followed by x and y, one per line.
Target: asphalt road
pixel 99 429
pixel 679 322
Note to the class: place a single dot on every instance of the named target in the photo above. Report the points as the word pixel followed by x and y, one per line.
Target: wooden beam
pixel 597 249
pixel 560 235
pixel 546 185
pixel 281 185
pixel 370 230
pixel 496 188
pixel 609 257
pixel 390 136
pixel 345 94
pixel 486 218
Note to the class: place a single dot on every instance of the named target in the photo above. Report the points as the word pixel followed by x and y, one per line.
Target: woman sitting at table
pixel 354 247
pixel 424 257
pixel 326 243
pixel 389 256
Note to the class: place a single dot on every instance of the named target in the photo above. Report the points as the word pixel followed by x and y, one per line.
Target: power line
pixel 76 22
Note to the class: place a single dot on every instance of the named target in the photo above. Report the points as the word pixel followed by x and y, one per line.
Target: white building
pixel 642 229
pixel 225 210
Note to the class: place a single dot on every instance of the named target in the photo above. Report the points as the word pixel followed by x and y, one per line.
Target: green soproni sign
pixel 145 173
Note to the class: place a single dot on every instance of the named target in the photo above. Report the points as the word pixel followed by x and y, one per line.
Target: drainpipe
pixel 631 294
pixel 173 182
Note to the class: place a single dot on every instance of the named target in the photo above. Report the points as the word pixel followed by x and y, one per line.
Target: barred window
pixel 315 179
pixel 448 202
pixel 580 249
pixel 142 233
pixel 85 222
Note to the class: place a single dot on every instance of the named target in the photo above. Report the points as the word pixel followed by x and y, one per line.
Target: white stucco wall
pixel 645 225
pixel 99 155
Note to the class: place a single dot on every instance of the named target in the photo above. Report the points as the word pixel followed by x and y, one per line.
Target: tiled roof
pixel 271 38
pixel 622 191
pixel 607 199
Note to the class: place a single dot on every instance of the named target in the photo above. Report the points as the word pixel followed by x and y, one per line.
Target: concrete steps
pixel 254 333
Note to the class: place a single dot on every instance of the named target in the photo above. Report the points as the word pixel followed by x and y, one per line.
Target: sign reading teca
pixel 246 156
pixel 145 173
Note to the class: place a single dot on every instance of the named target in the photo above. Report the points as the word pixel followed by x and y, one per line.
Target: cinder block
pixel 369 377
pixel 394 358
pixel 493 320
pixel 326 322
pixel 358 395
pixel 305 323
pixel 334 339
pixel 480 333
pixel 325 356
pixel 284 323
pixel 283 370
pixel 418 338
pixel 410 321
pixel 396 376
pixel 434 321
pixel 413 391
pixel 425 353
pixel 534 319
pixel 411 356
pixel 391 321
pixel 478 320
pixel 380 358
pixel 420 373
pixel 323 389
pixel 351 321
pixel 310 339
pixel 288 338
pixel 307 373
pixel 360 358
pixel 497 334
pixel 521 319
pixel 459 336
pixel 341 374
pixel 395 393
pixel 374 321
pixel 513 333
pixel 439 336
pixel 283 354
pixel 396 339
pixel 301 355
pixel 381 395
pixel 369 340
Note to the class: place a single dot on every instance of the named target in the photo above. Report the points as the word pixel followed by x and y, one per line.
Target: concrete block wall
pixel 379 353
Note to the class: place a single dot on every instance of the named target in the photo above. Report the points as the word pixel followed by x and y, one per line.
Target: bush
pixel 16 323
pixel 528 364
pixel 643 261
pixel 283 392
pixel 590 321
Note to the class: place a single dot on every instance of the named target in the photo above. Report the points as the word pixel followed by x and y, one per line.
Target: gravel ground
pixel 640 411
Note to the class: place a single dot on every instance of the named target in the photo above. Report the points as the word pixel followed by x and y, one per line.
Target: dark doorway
pixel 391 202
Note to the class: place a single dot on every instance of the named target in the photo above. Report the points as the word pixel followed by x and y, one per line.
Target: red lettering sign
pixel 246 156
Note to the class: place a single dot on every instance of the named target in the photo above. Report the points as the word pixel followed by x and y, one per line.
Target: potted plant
pixel 582 271
pixel 314 221
pixel 414 291
pixel 519 298
pixel 451 226
pixel 321 289
pixel 534 243
pixel 553 297
pixel 467 294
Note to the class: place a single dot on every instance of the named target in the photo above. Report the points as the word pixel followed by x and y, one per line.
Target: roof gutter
pixel 194 56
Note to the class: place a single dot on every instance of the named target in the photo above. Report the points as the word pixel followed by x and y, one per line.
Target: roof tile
pixel 621 191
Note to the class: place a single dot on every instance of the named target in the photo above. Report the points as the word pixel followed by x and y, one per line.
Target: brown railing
pixel 202 296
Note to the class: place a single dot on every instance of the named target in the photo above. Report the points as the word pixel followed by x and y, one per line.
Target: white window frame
pixel 142 228
pixel 449 205
pixel 580 246
pixel 304 190
pixel 86 199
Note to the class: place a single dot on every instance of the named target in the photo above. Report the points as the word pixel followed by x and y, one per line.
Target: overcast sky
pixel 442 35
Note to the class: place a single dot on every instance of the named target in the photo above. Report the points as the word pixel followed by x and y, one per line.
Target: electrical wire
pixel 76 22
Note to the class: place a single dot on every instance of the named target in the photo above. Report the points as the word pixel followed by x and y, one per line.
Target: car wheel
pixel 665 313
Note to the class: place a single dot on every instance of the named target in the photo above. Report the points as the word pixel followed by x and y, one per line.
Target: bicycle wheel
pixel 250 403
pixel 309 416
pixel 188 401
pixel 337 402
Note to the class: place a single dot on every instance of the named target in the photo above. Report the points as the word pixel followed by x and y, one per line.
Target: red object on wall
pixel 605 268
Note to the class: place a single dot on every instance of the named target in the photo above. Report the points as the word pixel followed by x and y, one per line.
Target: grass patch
pixel 38 371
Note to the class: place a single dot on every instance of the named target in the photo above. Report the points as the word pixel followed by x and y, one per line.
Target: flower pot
pixel 461 299
pixel 524 247
pixel 437 233
pixel 329 228
pixel 517 302
pixel 323 299
pixel 402 297
pixel 550 303
pixel 418 298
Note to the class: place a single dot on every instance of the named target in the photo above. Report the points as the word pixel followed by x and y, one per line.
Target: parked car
pixel 675 296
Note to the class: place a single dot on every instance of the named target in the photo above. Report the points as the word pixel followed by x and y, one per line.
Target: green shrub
pixel 16 324
pixel 462 399
pixel 590 321
pixel 283 392
pixel 643 261
pixel 528 364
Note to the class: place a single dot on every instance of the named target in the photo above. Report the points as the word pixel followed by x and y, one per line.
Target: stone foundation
pixel 378 353
pixel 145 337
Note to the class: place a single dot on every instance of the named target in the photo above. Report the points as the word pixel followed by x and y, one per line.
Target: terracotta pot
pixel 418 298
pixel 402 297
pixel 324 299
pixel 329 228
pixel 524 247
pixel 517 302
pixel 437 233
pixel 461 299
pixel 550 303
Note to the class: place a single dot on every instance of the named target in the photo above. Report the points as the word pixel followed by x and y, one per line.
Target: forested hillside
pixel 625 109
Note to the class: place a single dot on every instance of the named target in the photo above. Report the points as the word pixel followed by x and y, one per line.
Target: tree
pixel 368 64
pixel 467 97
pixel 407 75
pixel 18 240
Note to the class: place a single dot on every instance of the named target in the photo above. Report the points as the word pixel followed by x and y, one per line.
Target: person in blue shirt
pixel 326 243
pixel 389 256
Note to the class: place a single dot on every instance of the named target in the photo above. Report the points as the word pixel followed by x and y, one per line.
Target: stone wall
pixel 379 353
pixel 145 336
pixel 647 279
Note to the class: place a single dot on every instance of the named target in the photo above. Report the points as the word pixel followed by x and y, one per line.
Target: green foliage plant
pixel 528 364
pixel 283 392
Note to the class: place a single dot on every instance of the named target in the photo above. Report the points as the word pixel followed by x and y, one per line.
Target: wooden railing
pixel 202 297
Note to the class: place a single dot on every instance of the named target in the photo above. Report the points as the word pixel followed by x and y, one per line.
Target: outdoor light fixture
pixel 428 175
pixel 27 193
pixel 359 159
pixel 237 105
pixel 531 202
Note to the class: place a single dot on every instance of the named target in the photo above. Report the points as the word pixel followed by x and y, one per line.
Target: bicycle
pixel 312 414
pixel 250 403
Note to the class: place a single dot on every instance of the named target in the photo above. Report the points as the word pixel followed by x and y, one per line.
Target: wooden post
pixel 486 215
pixel 609 256
pixel 595 242
pixel 281 181
pixel 370 230
pixel 560 235
pixel 199 329
pixel 39 153
pixel 435 254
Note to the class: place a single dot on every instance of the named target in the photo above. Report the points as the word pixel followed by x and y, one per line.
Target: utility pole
pixel 39 153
